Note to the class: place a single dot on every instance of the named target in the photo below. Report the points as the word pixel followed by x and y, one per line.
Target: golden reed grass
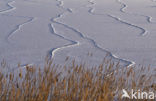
pixel 73 83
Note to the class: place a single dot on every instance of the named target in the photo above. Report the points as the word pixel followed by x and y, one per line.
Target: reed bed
pixel 73 83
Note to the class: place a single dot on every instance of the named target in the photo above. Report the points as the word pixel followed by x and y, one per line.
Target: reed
pixel 73 83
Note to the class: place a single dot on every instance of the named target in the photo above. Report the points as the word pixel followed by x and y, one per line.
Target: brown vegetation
pixel 73 83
